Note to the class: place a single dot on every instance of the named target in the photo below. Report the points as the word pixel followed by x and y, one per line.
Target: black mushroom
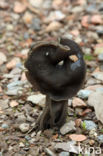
pixel 58 70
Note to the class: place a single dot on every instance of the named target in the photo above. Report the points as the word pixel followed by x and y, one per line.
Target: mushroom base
pixel 54 114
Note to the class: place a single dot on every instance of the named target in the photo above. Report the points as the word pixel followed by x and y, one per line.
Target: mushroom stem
pixel 54 114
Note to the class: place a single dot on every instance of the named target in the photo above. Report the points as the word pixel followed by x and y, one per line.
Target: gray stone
pixel 49 152
pixel 67 146
pixel 96 100
pixel 100 57
pixel 100 138
pixel 27 137
pixel 38 99
pixel 91 8
pixel 84 93
pixel 89 125
pixel 4 125
pixel 3 58
pixel 64 154
pixel 4 104
pixel 24 127
pixel 67 127
pixel 98 75
pixel 36 24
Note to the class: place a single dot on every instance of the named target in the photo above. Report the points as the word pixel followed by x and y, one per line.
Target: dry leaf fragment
pixel 77 137
pixel 74 58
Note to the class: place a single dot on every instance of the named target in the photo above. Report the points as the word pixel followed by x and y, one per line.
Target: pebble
pixel 91 8
pixel 89 125
pixel 27 137
pixel 27 18
pixel 38 99
pixel 93 133
pixel 67 127
pixel 36 3
pixel 98 75
pixel 9 27
pixel 100 57
pixel 36 24
pixel 100 138
pixel 3 58
pixel 26 35
pixel 13 63
pixel 55 16
pixel 25 51
pixel 4 125
pixel 24 127
pixel 78 102
pixel 53 26
pixel 49 152
pixel 4 104
pixel 96 99
pixel 98 50
pixel 21 144
pixel 1 154
pixel 83 94
pixel 64 154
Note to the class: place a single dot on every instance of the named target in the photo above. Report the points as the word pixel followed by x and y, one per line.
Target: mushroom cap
pixel 55 74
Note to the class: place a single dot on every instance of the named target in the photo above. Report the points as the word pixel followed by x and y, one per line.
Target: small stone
pixel 27 18
pixel 98 50
pixel 36 3
pixel 78 122
pixel 100 31
pixel 64 154
pixel 13 103
pixel 49 152
pixel 19 7
pixel 91 8
pixel 53 26
pixel 27 137
pixel 5 126
pixel 4 5
pixel 26 35
pixel 100 138
pixel 100 57
pixel 13 63
pixel 77 137
pixel 96 100
pixel 78 102
pixel 3 58
pixel 24 127
pixel 36 24
pixel 89 125
pixel 98 75
pixel 91 142
pixel 67 127
pixel 93 133
pixel 66 146
pixel 4 104
pixel 55 16
pixel 84 93
pixel 96 19
pixel 38 99
pixel 9 27
pixel 21 144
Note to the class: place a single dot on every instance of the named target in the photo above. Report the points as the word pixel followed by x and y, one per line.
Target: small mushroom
pixel 52 71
